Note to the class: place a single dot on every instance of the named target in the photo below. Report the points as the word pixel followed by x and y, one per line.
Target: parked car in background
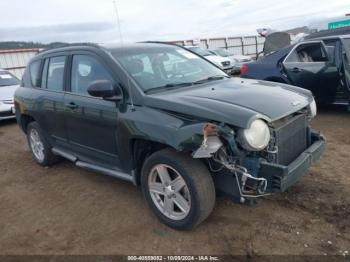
pixel 320 65
pixel 236 60
pixel 8 85
pixel 168 120
pixel 224 63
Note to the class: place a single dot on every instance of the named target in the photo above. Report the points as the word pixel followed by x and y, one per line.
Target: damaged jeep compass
pixel 164 118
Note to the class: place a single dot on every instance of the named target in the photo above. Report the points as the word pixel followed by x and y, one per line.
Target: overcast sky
pixel 95 20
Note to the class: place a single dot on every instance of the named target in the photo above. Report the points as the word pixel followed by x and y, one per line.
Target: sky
pixel 96 20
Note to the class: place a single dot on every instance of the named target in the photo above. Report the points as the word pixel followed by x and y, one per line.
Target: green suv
pixel 164 118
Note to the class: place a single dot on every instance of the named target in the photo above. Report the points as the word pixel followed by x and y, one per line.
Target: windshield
pixel 199 51
pixel 160 66
pixel 222 52
pixel 7 79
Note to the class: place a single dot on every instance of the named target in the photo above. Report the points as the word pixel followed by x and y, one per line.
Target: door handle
pixel 296 70
pixel 72 105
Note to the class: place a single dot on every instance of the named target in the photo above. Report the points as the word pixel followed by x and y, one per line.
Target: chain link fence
pixel 244 45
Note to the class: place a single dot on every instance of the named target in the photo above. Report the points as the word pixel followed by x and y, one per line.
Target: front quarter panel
pixel 150 124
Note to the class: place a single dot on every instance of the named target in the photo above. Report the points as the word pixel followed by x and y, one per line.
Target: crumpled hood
pixel 7 92
pixel 234 101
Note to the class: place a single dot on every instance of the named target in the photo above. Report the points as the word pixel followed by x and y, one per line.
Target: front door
pixel 91 122
pixel 308 66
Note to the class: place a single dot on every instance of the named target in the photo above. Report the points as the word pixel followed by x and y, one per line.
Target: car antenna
pixel 122 44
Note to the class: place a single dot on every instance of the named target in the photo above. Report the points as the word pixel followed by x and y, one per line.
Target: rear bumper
pixel 280 178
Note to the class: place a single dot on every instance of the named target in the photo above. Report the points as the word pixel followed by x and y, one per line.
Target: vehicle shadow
pixel 7 122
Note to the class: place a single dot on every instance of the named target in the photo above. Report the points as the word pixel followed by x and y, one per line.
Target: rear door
pixel 51 106
pixel 308 66
pixel 91 122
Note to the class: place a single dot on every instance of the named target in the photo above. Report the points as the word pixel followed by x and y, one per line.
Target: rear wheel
pixel 39 147
pixel 178 189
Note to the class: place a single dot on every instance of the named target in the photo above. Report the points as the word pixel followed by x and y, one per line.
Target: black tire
pixel 198 181
pixel 48 157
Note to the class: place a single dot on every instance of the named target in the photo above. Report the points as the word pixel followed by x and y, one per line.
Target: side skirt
pixel 93 167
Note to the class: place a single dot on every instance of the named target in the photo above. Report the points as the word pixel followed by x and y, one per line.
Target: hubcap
pixel 36 144
pixel 169 192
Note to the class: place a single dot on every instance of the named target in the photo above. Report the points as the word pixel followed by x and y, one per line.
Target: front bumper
pixel 7 111
pixel 280 178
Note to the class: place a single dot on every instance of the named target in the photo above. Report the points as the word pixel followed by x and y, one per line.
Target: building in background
pixel 15 60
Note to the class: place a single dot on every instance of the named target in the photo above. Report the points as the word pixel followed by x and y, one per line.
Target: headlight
pixel 312 109
pixel 256 137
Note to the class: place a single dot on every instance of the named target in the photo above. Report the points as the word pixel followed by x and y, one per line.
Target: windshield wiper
pixel 168 86
pixel 211 78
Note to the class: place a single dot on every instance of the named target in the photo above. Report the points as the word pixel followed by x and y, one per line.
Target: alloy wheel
pixel 169 192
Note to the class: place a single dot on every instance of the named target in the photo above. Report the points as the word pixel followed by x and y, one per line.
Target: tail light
pixel 243 68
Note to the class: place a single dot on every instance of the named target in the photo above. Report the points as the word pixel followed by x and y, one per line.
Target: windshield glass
pixel 223 52
pixel 7 79
pixel 200 51
pixel 160 66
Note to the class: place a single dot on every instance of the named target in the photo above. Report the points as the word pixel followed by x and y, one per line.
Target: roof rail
pixel 62 45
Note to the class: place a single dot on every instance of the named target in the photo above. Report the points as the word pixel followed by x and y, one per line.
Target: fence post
pixel 256 46
pixel 242 42
pixel 226 44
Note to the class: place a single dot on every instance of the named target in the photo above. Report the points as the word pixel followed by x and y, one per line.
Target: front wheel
pixel 179 189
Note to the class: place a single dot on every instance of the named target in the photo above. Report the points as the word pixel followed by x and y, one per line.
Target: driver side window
pixel 85 70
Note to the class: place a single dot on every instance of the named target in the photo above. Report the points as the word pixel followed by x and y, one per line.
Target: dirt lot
pixel 67 210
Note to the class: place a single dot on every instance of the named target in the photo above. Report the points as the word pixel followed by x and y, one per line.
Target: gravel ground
pixel 67 210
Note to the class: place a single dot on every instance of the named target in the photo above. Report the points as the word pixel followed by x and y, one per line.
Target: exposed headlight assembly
pixel 256 137
pixel 312 109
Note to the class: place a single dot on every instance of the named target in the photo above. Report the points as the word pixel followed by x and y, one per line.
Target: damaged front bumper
pixel 280 177
pixel 241 186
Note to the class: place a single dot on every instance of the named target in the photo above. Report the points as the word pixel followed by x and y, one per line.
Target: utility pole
pixel 118 20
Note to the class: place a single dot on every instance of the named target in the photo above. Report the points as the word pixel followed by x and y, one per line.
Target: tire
pixel 41 150
pixel 197 189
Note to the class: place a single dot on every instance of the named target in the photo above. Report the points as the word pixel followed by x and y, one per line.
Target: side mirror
pixel 106 90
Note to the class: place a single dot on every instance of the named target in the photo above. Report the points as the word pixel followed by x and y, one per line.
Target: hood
pixel 7 92
pixel 233 101
pixel 217 59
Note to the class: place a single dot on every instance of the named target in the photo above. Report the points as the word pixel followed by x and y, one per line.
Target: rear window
pixel 53 73
pixel 8 79
pixel 34 70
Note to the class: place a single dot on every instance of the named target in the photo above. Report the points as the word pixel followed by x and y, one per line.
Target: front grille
pixel 226 63
pixel 291 139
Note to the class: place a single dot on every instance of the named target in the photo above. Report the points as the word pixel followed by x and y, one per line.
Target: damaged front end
pixel 246 165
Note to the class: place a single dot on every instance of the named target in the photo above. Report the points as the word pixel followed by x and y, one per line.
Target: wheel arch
pixel 141 149
pixel 25 120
